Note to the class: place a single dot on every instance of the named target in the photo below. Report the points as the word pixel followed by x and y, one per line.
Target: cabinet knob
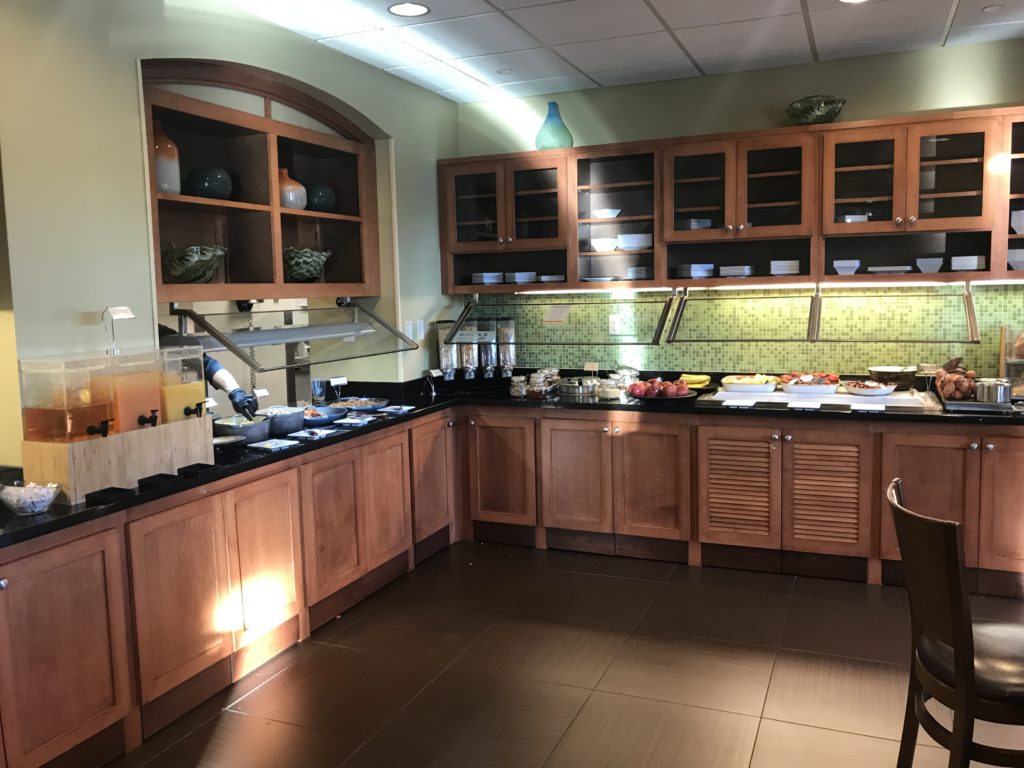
pixel 774 438
pixel 911 219
pixel 741 227
pixel 989 447
pixel 729 227
pixel 4 583
pixel 501 239
pixel 973 446
pixel 898 220
pixel 788 438
pixel 617 430
pixel 451 423
pixel 510 238
pixel 604 429
pixel 472 423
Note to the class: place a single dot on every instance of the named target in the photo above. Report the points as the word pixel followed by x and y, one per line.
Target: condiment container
pixel 517 386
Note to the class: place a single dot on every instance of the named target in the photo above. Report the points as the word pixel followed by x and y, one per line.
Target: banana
pixel 695 379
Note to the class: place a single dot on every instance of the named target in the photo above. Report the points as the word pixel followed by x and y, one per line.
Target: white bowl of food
pixel 29 498
pixel 868 388
pixel 754 382
pixel 809 383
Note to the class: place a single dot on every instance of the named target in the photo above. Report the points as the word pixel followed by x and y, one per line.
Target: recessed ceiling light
pixel 504 71
pixel 993 8
pixel 853 2
pixel 408 9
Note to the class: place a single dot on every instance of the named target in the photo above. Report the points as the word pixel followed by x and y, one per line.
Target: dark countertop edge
pixel 33 527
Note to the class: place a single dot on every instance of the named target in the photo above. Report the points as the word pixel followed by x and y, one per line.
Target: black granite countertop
pixel 229 462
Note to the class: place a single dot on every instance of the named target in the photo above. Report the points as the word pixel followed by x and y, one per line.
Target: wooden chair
pixel 976 668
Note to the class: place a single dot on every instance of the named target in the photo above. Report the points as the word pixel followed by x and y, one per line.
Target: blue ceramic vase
pixel 321 198
pixel 203 181
pixel 553 134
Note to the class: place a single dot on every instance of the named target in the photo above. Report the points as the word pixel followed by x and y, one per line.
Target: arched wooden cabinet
pixel 271 125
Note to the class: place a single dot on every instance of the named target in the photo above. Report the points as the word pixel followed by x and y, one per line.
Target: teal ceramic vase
pixel 553 134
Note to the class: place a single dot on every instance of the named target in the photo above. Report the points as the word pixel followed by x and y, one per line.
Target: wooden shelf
pixel 938 195
pixel 1017 196
pixel 852 200
pixel 700 180
pixel 701 208
pixel 616 252
pixel 1016 237
pixel 529 192
pixel 479 223
pixel 617 218
pixel 856 168
pixel 320 215
pixel 772 174
pixel 191 201
pixel 776 204
pixel 536 218
pixel 954 161
pixel 617 185
pixel 476 197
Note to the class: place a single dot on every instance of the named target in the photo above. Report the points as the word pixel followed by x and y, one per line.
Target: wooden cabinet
pixel 651 480
pixel 385 509
pixel 739 474
pixel 826 492
pixel 738 189
pixel 432 466
pixel 931 176
pixel 1001 534
pixel 63 647
pixel 333 540
pixel 941 476
pixel 185 613
pixel 502 469
pixel 263 536
pixel 505 205
pixel 576 474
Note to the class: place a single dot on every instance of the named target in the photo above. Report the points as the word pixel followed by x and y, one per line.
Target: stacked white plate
pixel 639 273
pixel 487 278
pixel 697 270
pixel 846 266
pixel 786 267
pixel 1016 263
pixel 854 218
pixel 967 263
pixel 520 277
pixel 552 278
pixel 896 270
pixel 737 271
pixel 635 242
pixel 700 223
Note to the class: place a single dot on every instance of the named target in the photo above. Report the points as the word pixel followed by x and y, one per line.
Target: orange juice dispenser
pixel 136 387
pixel 66 400
pixel 182 386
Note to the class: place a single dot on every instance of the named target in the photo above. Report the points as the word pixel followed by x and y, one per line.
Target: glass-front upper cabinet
pixel 749 188
pixel 505 204
pixel 925 177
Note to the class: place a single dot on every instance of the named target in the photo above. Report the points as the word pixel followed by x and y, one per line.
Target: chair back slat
pixel 933 564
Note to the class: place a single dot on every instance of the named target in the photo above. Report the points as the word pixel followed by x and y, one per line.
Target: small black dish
pixel 107 496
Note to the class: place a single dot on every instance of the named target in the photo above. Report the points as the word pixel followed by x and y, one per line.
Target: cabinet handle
pixel 451 423
pixel 973 446
pixel 617 430
pixel 729 227
pixel 911 219
pixel 788 438
pixel 4 583
pixel 501 239
pixel 741 227
pixel 472 423
pixel 604 429
pixel 510 239
pixel 898 220
pixel 774 438
pixel 989 447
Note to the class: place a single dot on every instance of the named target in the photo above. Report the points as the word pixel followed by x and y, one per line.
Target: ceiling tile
pixel 506 5
pixel 536 64
pixel 549 85
pixel 743 39
pixel 315 19
pixel 471 36
pixel 471 95
pixel 579 20
pixel 838 23
pixel 765 60
pixel 376 11
pixel 436 76
pixel 645 74
pixel 969 13
pixel 378 48
pixel 986 34
pixel 624 52
pixel 845 49
pixel 699 13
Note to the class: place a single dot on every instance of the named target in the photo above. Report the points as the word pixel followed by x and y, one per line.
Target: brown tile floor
pixel 490 656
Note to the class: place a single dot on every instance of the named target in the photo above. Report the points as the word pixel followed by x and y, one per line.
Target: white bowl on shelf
pixel 605 213
pixel 846 266
pixel 930 263
pixel 604 243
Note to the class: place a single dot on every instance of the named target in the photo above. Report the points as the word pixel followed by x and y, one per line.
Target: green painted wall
pixel 859 328
pixel 874 86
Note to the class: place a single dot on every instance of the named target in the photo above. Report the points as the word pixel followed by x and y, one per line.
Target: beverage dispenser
pixel 182 387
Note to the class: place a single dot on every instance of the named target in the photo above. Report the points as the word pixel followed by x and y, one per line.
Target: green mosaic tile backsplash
pixel 765 330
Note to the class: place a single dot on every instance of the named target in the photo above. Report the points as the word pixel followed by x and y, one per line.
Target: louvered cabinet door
pixel 826 492
pixel 739 471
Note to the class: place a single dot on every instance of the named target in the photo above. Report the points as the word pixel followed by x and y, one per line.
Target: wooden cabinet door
pixel 181 587
pixel 386 510
pixel 63 648
pixel 949 184
pixel 576 474
pixel 333 540
pixel 263 531
pixel 826 492
pixel 432 465
pixel 739 476
pixel 699 191
pixel 651 477
pixel 1001 535
pixel 941 476
pixel 775 177
pixel 537 195
pixel 864 178
pixel 475 210
pixel 502 470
